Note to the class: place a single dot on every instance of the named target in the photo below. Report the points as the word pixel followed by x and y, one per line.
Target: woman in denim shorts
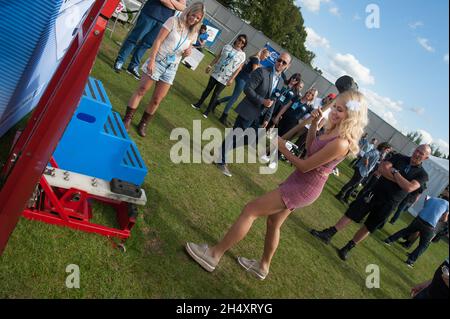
pixel 174 42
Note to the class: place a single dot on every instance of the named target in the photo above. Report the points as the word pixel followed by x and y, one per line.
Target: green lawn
pixel 195 202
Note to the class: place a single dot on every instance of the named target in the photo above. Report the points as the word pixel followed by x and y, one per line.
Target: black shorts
pixel 377 212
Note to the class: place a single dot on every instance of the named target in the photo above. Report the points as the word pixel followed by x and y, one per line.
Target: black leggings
pixel 218 88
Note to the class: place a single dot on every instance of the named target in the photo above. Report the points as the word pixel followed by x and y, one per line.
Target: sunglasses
pixel 282 61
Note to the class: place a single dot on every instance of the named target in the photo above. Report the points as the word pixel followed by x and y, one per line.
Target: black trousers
pixel 426 234
pixel 215 85
pixel 351 185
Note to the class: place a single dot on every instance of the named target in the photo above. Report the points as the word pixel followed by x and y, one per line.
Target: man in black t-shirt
pixel 399 176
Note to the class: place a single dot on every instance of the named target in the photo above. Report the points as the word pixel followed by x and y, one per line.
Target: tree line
pixel 417 138
pixel 280 20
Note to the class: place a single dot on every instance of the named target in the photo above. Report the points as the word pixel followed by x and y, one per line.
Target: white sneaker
pixel 273 165
pixel 265 159
pixel 252 266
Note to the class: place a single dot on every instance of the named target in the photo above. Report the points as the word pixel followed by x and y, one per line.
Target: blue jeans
pixel 239 123
pixel 402 207
pixel 426 234
pixel 141 38
pixel 239 86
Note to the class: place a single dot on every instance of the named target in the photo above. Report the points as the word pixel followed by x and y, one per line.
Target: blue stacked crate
pixel 95 142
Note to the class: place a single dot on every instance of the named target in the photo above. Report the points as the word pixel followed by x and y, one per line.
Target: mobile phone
pixel 445 270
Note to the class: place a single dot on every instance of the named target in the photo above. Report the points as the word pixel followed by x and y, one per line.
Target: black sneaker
pixel 410 263
pixel 323 235
pixel 195 106
pixel 343 253
pixel 387 242
pixel 134 73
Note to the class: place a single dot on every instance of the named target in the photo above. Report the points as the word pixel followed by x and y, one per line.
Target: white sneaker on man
pixel 265 159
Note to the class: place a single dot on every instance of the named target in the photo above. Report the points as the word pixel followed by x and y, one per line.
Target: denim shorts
pixel 163 71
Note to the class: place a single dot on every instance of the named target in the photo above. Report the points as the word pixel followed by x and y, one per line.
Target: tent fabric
pixel 438 173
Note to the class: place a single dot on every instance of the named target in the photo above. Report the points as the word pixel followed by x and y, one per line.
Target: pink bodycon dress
pixel 302 189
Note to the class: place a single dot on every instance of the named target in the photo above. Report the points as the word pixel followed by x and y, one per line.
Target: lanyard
pixel 180 43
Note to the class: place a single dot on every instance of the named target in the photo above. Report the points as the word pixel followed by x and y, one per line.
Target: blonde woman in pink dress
pixel 344 128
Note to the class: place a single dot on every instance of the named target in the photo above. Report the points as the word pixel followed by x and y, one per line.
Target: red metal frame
pixel 35 146
pixel 72 208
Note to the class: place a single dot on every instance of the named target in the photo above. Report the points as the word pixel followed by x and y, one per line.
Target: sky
pixel 397 51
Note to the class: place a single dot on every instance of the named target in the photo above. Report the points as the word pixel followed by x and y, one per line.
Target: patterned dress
pixel 302 189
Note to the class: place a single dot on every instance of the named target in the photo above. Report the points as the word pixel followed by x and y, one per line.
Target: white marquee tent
pixel 437 169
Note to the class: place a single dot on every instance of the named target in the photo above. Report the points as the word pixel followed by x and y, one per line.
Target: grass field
pixel 195 202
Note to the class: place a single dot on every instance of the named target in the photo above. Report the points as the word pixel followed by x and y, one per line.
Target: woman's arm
pixel 333 150
pixel 179 5
pixel 316 116
pixel 210 66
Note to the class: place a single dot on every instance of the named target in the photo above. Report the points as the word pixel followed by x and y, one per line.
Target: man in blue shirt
pixel 362 170
pixel 434 210
pixel 150 21
pixel 201 39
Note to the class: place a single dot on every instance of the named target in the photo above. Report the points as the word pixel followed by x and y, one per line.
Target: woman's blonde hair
pixel 260 52
pixel 315 92
pixel 351 128
pixel 196 7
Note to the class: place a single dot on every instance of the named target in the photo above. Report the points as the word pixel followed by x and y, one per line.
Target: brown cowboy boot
pixel 146 117
pixel 128 117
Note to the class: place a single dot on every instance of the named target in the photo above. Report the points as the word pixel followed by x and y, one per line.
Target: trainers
pixel 199 254
pixel 265 159
pixel 410 263
pixel 195 106
pixel 273 165
pixel 323 235
pixel 224 169
pixel 343 253
pixel 134 73
pixel 252 266
pixel 205 115
pixel 387 242
pixel 117 66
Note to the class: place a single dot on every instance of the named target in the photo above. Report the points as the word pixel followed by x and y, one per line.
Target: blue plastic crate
pixel 95 142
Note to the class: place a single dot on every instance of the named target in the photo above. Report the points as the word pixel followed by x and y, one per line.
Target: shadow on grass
pixel 179 262
pixel 348 271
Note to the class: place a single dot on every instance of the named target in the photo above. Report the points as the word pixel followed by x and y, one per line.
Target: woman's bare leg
pixel 268 204
pixel 144 86
pixel 272 239
pixel 161 90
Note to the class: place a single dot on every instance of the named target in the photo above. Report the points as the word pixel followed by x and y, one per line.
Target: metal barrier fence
pixel 231 26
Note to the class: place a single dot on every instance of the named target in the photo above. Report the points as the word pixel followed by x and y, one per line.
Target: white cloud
pixel 313 40
pixel 417 110
pixel 446 58
pixel 443 146
pixel 426 137
pixel 415 25
pixel 425 44
pixel 341 64
pixel 385 107
pixel 335 11
pixel 311 5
